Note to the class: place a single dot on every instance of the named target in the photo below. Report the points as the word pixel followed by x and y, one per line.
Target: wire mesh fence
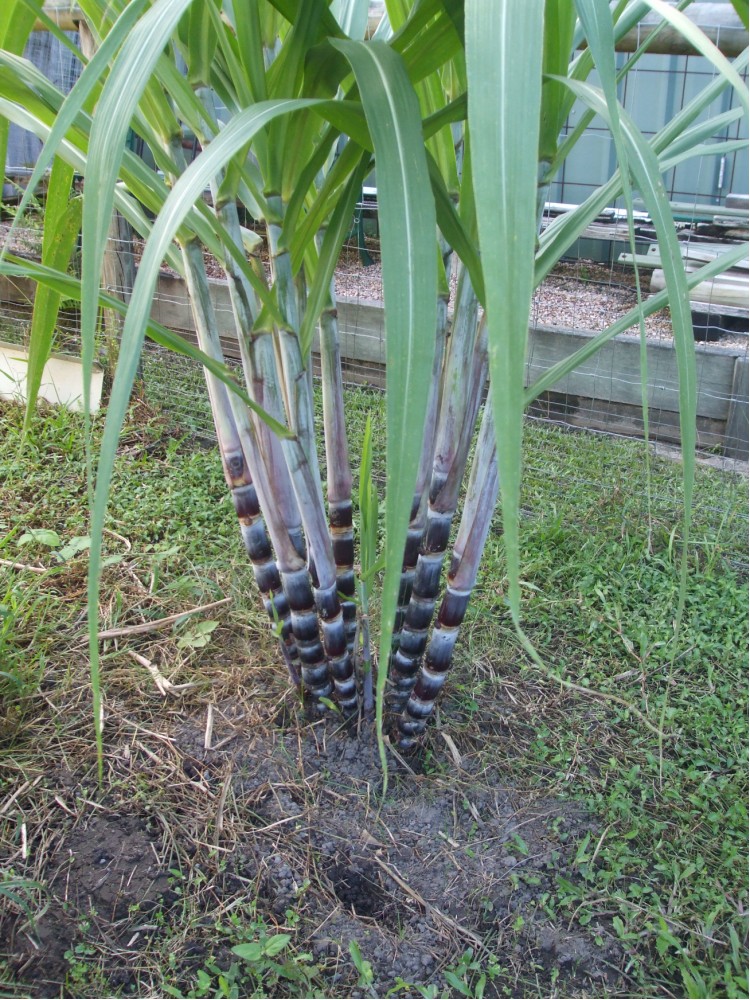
pixel 580 298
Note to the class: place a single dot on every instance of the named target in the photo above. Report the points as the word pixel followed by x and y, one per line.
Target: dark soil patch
pixel 451 860
pixel 104 870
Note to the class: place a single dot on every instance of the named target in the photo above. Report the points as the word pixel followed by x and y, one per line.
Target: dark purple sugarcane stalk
pixel 418 514
pixel 237 468
pixel 338 467
pixel 301 459
pixel 467 553
pixel 259 363
pixel 464 378
pixel 289 550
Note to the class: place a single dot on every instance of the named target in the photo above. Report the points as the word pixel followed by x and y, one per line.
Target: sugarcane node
pixel 236 466
pixel 256 543
pixel 267 577
pixel 342 674
pixel 427 579
pixel 453 609
pixel 298 591
pixel 437 483
pixel 412 642
pixel 327 604
pixel 245 500
pixel 406 744
pixel 320 691
pixel 438 534
pixel 340 515
pixel 439 657
pixel 335 640
pixel 280 603
pixel 298 541
pixel 409 727
pixel 343 549
pixel 311 655
pixel 430 681
pixel 417 708
pixel 345 693
pixel 403 666
pixel 315 673
pixel 305 626
pixel 419 613
pixel 411 553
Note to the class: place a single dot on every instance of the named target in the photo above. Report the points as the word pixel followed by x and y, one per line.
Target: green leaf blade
pixel 504 122
pixel 408 233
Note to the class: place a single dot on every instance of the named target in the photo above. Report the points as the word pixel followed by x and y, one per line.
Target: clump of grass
pixel 602 575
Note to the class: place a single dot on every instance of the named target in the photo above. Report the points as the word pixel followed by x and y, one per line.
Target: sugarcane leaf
pixel 424 58
pixel 62 224
pixel 284 79
pixel 644 165
pixel 52 27
pixel 454 111
pixel 299 236
pixel 290 10
pixel 351 16
pixel 349 118
pixel 559 24
pixel 431 99
pixel 246 23
pixel 325 71
pixel 130 75
pixel 707 149
pixel 183 195
pixel 705 130
pixel 16 24
pixel 741 6
pixel 407 228
pixel 564 230
pixel 454 231
pixel 504 122
pixel 200 38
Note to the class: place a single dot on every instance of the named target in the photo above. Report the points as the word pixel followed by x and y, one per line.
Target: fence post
pixel 736 435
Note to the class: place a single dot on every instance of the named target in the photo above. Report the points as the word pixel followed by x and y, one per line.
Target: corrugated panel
pixel 653 93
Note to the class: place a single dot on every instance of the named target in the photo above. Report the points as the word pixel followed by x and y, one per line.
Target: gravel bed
pixel 578 295
pixel 25 242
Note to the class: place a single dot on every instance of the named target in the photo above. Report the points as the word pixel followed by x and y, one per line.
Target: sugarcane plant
pixel 460 106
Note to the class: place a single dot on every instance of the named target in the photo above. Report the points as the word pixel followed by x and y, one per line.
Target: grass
pixel 662 867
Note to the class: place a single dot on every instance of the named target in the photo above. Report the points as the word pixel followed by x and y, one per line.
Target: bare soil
pixel 289 812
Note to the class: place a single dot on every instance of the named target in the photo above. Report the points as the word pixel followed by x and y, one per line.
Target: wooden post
pixel 118 266
pixel 736 435
pixel 718 21
pixel 65 13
